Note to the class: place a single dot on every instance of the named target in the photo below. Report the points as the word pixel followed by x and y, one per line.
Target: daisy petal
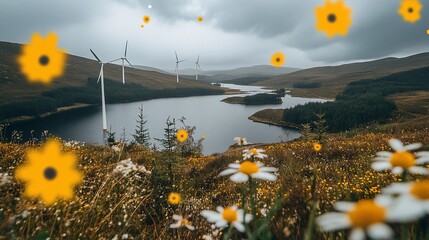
pixel 221 223
pixel 192 228
pixel 239 177
pixel 268 169
pixel 422 160
pixel 264 176
pixel 422 154
pixel 239 226
pixel 227 172
pixel 175 225
pixel 405 209
pixel 397 170
pixel 177 217
pixel 396 145
pixel 380 166
pixel 384 154
pixel 380 231
pixel 211 216
pixel 419 170
pixel 413 146
pixel 333 221
pixel 344 206
pixel 357 234
pixel 396 188
pixel 234 165
pixel 381 159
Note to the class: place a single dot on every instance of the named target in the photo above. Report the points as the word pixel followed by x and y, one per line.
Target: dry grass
pixel 108 204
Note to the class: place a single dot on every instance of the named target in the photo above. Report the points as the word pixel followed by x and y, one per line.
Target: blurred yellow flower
pixel 174 198
pixel 49 174
pixel 333 18
pixel 410 10
pixel 40 60
pixel 146 19
pixel 317 147
pixel 182 135
pixel 278 59
pixel 200 19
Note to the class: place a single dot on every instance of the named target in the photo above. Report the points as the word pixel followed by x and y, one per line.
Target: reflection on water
pixel 218 121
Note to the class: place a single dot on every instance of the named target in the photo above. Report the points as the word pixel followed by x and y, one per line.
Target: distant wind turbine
pixel 177 66
pixel 123 59
pixel 197 66
pixel 103 100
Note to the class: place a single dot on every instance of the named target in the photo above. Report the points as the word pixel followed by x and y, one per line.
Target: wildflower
pixel 49 174
pixel 182 135
pixel 253 152
pixel 181 222
pixel 116 148
pixel 413 200
pixel 203 137
pixel 127 166
pixel 241 172
pixel 278 59
pixel 5 179
pixel 240 141
pixel 200 19
pixel 401 159
pixel 364 216
pixel 146 19
pixel 230 215
pixel 317 147
pixel 333 18
pixel 174 198
pixel 40 60
pixel 410 10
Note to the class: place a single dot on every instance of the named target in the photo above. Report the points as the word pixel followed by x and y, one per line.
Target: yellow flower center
pixel 421 190
pixel 185 221
pixel 402 159
pixel 317 147
pixel 242 140
pixel 254 151
pixel 230 215
pixel 248 168
pixel 332 18
pixel 366 213
pixel 44 60
pixel 50 173
pixel 174 198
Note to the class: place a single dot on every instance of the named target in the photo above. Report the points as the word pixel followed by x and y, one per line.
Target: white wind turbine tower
pixel 123 59
pixel 177 66
pixel 197 67
pixel 103 100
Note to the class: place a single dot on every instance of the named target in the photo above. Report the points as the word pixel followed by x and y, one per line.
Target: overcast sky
pixel 234 32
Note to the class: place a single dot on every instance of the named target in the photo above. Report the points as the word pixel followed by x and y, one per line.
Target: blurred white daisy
pixel 181 222
pixel 240 141
pixel 241 172
pixel 5 179
pixel 412 202
pixel 253 152
pixel 401 159
pixel 127 166
pixel 230 215
pixel 116 148
pixel 365 216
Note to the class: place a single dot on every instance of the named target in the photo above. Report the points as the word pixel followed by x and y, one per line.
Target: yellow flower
pixel 278 59
pixel 333 18
pixel 174 198
pixel 317 147
pixel 200 19
pixel 49 174
pixel 146 19
pixel 410 10
pixel 182 135
pixel 40 60
pixel 203 137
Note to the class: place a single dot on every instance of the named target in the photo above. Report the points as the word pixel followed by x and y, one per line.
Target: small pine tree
pixel 142 133
pixel 320 127
pixel 110 139
pixel 169 140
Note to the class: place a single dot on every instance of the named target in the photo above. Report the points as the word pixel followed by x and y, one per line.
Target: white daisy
pixel 413 200
pixel 240 141
pixel 365 216
pixel 401 159
pixel 253 152
pixel 241 172
pixel 230 215
pixel 127 166
pixel 181 222
pixel 5 179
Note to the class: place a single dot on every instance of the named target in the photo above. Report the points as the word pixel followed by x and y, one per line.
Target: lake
pixel 220 122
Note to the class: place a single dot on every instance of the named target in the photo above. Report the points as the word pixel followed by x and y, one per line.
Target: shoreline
pixel 275 118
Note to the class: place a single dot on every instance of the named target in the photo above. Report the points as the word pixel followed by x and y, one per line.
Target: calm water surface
pixel 218 121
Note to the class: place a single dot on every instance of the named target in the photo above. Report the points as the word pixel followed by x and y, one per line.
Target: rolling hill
pixel 78 70
pixel 329 81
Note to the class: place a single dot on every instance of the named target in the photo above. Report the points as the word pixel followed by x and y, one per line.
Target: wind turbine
pixel 103 100
pixel 123 59
pixel 177 65
pixel 197 66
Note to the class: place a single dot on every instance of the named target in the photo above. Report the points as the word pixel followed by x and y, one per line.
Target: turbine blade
pixel 95 55
pixel 126 47
pixel 101 73
pixel 181 61
pixel 177 59
pixel 115 60
pixel 199 66
pixel 198 59
pixel 129 63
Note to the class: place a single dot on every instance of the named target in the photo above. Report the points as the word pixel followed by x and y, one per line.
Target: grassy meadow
pixel 118 205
